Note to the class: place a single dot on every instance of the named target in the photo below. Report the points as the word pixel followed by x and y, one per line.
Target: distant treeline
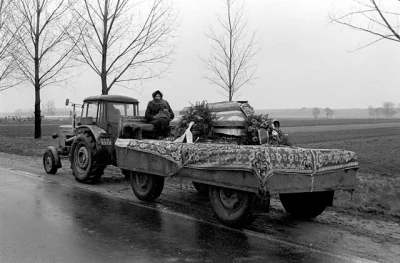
pixel 379 112
pixel 52 112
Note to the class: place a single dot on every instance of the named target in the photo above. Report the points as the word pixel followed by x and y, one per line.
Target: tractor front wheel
pixel 49 162
pixel 82 159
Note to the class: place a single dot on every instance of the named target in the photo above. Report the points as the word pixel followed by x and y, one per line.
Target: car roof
pixel 111 98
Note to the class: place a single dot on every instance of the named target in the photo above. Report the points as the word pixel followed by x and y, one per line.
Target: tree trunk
pixel 104 89
pixel 38 118
pixel 231 88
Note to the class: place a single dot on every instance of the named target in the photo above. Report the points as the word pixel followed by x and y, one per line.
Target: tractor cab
pixel 106 111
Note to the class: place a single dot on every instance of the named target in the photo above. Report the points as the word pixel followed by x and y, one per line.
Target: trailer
pixel 241 178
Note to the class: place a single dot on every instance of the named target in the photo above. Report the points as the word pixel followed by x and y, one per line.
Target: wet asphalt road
pixel 44 221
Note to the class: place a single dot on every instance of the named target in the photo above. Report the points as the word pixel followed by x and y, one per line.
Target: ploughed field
pixel 376 142
pixel 296 122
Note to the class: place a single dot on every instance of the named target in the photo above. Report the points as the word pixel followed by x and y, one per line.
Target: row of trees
pixel 388 110
pixel 47 108
pixel 328 112
pixel 42 40
pixel 122 41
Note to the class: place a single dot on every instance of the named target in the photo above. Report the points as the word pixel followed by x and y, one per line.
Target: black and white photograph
pixel 199 131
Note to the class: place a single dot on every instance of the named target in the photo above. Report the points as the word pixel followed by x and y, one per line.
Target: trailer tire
pixel 49 162
pixel 147 187
pixel 306 205
pixel 126 173
pixel 83 155
pixel 201 188
pixel 232 207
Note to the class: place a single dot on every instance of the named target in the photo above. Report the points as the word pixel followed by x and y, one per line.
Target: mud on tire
pixel 83 158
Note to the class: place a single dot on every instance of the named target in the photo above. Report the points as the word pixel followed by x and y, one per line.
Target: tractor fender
pixel 56 156
pixel 95 131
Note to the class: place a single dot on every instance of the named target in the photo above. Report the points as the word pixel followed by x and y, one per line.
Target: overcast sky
pixel 304 62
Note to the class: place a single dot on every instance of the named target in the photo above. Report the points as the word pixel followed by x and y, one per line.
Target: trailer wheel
pixel 306 205
pixel 49 162
pixel 201 188
pixel 147 187
pixel 126 173
pixel 233 208
pixel 83 155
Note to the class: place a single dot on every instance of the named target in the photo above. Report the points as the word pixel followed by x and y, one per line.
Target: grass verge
pixel 26 146
pixel 375 196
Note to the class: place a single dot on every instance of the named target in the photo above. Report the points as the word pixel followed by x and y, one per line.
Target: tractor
pixel 89 141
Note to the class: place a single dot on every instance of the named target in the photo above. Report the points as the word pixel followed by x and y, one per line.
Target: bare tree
pixel 316 112
pixel 371 112
pixel 44 46
pixel 378 112
pixel 329 112
pixel 388 109
pixel 372 17
pixel 7 46
pixel 126 40
pixel 228 64
pixel 50 107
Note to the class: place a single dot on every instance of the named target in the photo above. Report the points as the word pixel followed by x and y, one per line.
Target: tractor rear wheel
pixel 97 173
pixel 49 162
pixel 147 187
pixel 83 156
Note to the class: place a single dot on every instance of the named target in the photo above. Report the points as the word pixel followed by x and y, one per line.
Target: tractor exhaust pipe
pixel 67 102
